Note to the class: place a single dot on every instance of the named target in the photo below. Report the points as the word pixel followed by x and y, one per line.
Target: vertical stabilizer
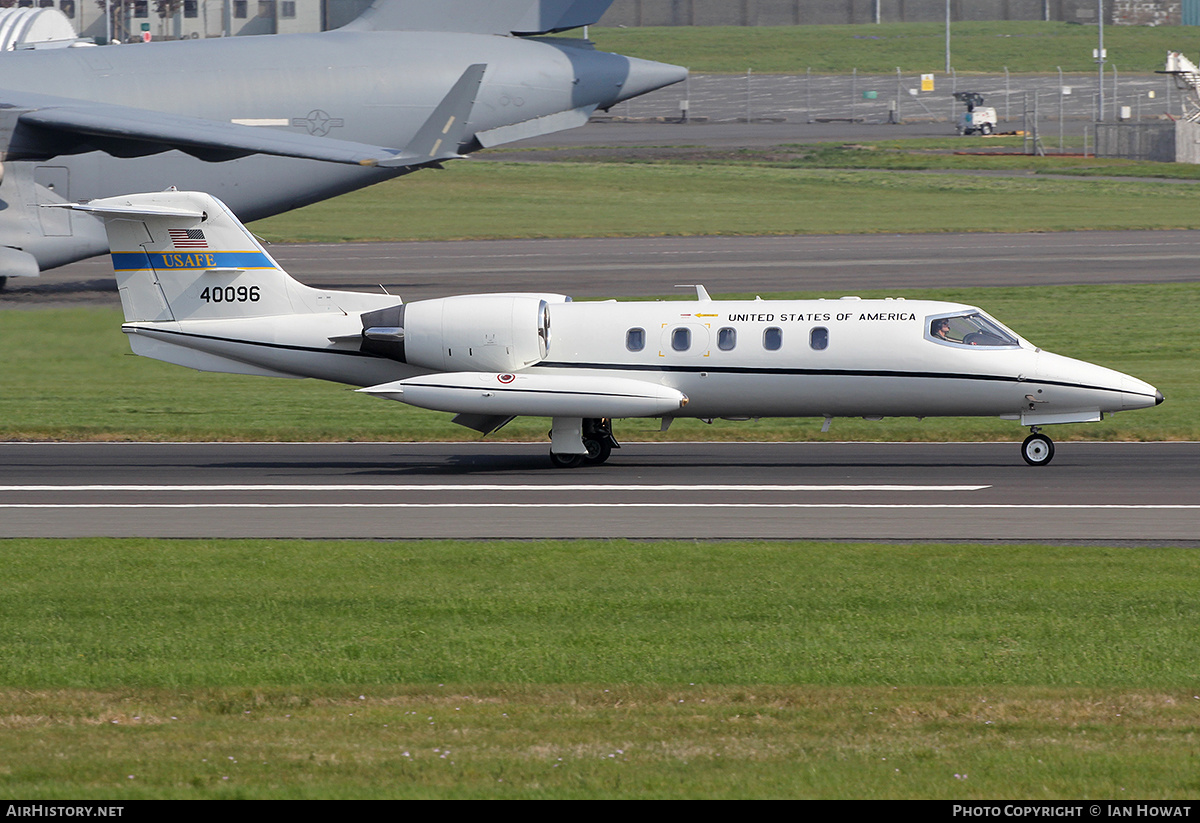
pixel 185 256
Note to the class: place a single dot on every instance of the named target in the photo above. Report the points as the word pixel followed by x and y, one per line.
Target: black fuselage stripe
pixel 799 372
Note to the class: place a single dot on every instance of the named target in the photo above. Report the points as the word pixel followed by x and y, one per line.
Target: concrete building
pixel 174 19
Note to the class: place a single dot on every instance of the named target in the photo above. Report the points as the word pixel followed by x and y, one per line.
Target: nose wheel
pixel 1038 449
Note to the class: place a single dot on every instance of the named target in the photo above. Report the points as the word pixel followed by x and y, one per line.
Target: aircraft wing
pixel 43 126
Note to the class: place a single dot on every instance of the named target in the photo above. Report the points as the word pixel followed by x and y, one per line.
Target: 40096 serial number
pixel 231 294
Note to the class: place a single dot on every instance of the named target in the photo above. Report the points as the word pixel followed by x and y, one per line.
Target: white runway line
pixel 877 506
pixel 491 487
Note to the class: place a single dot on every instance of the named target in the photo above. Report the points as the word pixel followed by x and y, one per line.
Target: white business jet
pixel 198 290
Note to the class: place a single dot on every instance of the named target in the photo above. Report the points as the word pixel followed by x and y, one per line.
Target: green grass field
pixel 500 199
pixel 257 669
pixel 984 47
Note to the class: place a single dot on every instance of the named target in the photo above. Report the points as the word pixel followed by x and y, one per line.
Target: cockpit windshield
pixel 971 329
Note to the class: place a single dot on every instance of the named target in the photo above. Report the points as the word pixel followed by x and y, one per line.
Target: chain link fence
pixel 876 98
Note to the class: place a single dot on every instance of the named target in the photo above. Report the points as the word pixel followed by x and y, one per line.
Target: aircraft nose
pixel 647 75
pixel 1137 394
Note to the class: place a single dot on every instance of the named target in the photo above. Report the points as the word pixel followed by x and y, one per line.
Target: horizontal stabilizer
pixel 480 16
pixel 534 395
pixel 551 123
pixel 108 208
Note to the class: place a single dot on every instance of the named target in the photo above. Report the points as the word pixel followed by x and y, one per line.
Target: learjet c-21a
pixel 199 290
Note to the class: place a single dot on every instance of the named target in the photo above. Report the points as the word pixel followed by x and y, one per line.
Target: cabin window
pixel 141 8
pixel 239 9
pixel 818 338
pixel 772 338
pixel 287 9
pixel 67 7
pixel 681 339
pixel 191 8
pixel 635 339
pixel 726 339
pixel 973 329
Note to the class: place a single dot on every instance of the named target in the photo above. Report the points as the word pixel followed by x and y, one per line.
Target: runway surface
pixel 1143 494
pixel 610 267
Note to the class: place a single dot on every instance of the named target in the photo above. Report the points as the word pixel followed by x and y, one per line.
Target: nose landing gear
pixel 1038 449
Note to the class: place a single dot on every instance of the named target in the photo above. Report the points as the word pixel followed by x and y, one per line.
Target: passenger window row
pixel 681 339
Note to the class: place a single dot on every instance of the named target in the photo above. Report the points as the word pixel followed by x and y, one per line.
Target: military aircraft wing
pixel 46 126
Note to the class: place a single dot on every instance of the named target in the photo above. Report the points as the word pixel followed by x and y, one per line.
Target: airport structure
pixel 193 19
pixel 190 19
pixel 819 12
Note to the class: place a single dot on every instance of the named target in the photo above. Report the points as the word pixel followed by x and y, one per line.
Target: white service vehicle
pixel 978 118
pixel 200 291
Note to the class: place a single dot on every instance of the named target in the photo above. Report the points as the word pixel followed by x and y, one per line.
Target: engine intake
pixel 473 332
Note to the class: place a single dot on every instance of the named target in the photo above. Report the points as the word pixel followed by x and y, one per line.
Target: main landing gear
pixel 597 439
pixel 1038 449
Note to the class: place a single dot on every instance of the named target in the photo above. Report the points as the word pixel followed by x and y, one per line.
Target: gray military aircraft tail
pixel 275 122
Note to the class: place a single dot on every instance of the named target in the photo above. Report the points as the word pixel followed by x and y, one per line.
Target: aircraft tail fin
pixel 480 16
pixel 185 256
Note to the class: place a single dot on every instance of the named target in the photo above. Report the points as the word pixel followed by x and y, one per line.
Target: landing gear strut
pixel 1038 449
pixel 597 439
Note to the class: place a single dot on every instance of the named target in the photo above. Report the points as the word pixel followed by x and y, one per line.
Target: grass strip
pixel 111 613
pixel 266 668
pixel 477 741
pixel 976 47
pixel 505 199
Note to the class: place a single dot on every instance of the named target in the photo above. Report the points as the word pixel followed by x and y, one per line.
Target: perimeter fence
pixel 907 97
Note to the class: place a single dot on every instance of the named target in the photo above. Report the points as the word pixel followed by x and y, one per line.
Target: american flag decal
pixel 188 238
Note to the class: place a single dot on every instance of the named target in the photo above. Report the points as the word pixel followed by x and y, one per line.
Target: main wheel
pixel 565 461
pixel 986 128
pixel 1038 449
pixel 597 451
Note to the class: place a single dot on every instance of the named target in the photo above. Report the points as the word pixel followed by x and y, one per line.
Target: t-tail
pixel 199 290
pixel 184 256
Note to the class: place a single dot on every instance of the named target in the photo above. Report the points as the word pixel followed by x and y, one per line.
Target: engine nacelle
pixel 472 332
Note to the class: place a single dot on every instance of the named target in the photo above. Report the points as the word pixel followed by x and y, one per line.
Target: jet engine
pixel 473 332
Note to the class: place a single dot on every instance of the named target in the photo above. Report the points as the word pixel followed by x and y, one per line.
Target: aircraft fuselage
pixel 733 359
